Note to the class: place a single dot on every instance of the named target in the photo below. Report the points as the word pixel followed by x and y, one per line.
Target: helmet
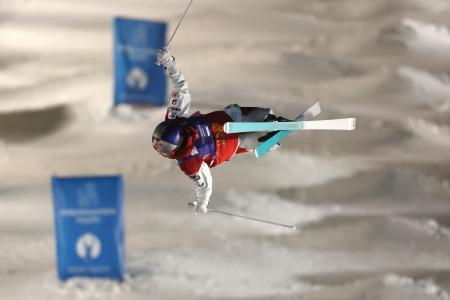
pixel 168 137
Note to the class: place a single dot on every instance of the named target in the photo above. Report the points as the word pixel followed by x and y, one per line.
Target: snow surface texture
pixel 372 206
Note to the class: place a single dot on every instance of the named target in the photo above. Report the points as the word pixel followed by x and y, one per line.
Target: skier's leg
pixel 247 114
pixel 256 114
pixel 234 112
pixel 249 140
pixel 271 117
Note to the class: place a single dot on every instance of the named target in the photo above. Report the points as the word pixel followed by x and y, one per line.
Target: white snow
pixel 426 37
pixel 430 89
pixel 371 206
pixel 424 286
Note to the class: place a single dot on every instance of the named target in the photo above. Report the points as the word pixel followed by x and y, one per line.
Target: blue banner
pixel 137 79
pixel 89 226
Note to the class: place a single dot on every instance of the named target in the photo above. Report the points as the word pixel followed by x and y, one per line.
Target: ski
pixel 333 124
pixel 307 115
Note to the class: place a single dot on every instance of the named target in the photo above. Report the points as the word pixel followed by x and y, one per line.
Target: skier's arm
pixel 203 188
pixel 180 98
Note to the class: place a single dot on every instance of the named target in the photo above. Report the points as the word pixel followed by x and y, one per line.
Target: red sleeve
pixel 191 165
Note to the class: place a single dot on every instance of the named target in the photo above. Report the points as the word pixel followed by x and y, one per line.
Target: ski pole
pixel 179 23
pixel 216 211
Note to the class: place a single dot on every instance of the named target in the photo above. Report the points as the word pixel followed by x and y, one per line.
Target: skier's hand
pixel 199 208
pixel 163 57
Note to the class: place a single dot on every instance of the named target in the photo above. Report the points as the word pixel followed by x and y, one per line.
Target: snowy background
pixel 372 206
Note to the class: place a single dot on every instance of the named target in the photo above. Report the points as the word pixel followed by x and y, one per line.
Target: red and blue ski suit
pixel 207 145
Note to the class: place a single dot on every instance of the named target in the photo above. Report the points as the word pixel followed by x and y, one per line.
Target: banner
pixel 88 215
pixel 137 79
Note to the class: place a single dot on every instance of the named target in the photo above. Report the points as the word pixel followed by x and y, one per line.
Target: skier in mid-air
pixel 198 142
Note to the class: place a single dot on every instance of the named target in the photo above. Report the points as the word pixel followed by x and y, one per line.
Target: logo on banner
pixel 137 79
pixel 87 195
pixel 88 246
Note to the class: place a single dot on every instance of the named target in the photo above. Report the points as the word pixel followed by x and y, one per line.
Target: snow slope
pixel 372 205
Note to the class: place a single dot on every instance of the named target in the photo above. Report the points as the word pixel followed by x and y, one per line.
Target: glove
pixel 163 57
pixel 199 208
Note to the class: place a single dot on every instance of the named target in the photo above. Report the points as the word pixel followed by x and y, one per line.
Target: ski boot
pixel 272 118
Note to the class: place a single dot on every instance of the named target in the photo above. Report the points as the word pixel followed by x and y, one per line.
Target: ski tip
pixel 352 124
pixel 316 108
